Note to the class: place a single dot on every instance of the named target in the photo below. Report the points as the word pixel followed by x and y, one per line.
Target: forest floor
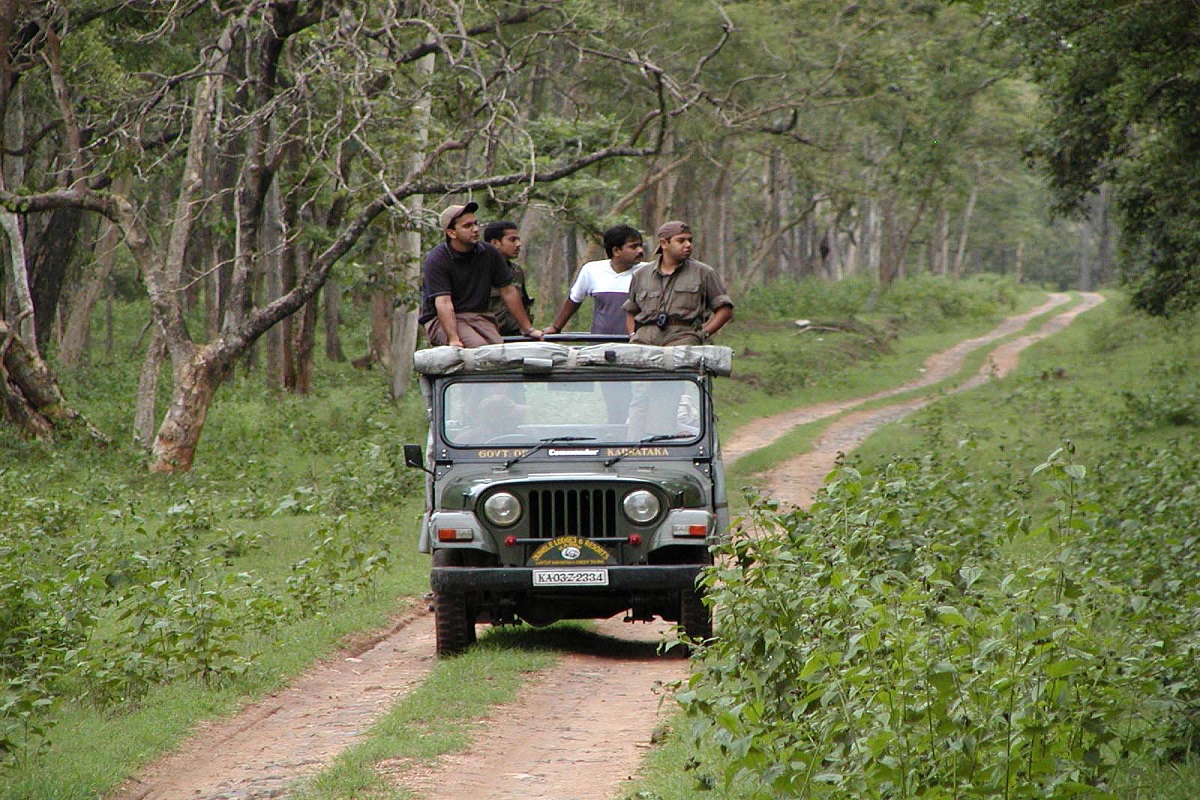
pixel 608 686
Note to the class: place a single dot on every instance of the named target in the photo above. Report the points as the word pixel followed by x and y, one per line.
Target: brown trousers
pixel 474 329
pixel 670 336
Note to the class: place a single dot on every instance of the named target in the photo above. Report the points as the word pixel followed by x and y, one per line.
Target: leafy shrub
pixel 114 582
pixel 1147 548
pixel 32 643
pixel 935 299
pixel 345 561
pixel 1169 397
pixel 368 474
pixel 787 300
pixel 881 646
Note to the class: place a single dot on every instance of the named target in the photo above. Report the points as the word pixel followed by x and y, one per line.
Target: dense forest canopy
pixel 1121 88
pixel 250 160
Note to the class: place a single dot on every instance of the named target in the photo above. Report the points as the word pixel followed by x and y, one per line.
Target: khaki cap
pixel 454 212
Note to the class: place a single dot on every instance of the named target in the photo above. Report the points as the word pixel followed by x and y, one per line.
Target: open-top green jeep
pixel 569 482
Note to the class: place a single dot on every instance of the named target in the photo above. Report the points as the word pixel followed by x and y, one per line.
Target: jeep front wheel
pixel 694 616
pixel 454 617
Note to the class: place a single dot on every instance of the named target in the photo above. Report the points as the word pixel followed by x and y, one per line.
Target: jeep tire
pixel 454 617
pixel 694 616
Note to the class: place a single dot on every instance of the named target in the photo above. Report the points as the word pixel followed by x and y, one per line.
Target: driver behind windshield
pixel 493 418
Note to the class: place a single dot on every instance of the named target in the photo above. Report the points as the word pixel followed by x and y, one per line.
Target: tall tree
pixel 335 83
pixel 1121 88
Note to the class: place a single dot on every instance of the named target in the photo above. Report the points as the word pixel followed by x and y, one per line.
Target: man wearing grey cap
pixel 457 281
pixel 676 300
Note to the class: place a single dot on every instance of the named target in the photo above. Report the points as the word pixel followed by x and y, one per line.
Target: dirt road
pixel 797 479
pixel 606 687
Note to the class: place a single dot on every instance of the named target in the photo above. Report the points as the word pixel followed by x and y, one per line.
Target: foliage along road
pixel 606 687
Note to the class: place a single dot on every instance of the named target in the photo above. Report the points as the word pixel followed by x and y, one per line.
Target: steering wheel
pixel 509 438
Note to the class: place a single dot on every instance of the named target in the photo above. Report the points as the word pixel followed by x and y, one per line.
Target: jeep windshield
pixel 483 413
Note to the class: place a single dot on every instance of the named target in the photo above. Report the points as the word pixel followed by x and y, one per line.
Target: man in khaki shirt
pixel 676 300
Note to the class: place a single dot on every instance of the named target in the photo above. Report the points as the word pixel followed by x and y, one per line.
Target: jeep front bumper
pixel 647 579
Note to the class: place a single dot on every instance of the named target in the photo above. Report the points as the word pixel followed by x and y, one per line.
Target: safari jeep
pixel 569 482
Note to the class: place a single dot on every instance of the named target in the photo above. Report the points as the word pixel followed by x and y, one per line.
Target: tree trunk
pixel 305 340
pixel 303 345
pixel 405 331
pixel 333 318
pixel 278 371
pixel 26 326
pixel 50 255
pixel 939 249
pixel 888 256
pixel 196 381
pixel 723 230
pixel 1104 259
pixel 1085 258
pixel 379 349
pixel 145 413
pixel 83 302
pixel 404 342
pixel 963 231
pixel 657 205
pixel 30 393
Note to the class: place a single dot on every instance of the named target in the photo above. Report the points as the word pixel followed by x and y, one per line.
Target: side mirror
pixel 413 457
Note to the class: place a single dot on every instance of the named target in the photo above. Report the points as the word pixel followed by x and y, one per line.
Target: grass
pixel 801 438
pixel 777 368
pixel 273 471
pixel 1073 386
pixel 281 469
pixel 1078 396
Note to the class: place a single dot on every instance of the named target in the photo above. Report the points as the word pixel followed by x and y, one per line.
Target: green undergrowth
pixel 993 598
pixel 134 605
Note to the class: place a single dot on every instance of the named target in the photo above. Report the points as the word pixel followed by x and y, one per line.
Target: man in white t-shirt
pixel 606 282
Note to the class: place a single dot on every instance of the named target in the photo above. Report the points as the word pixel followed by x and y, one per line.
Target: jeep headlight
pixel 641 506
pixel 502 509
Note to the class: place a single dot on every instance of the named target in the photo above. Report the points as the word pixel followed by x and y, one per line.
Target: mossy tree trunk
pixel 29 390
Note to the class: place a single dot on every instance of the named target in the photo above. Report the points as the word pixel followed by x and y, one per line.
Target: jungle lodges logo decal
pixel 570 551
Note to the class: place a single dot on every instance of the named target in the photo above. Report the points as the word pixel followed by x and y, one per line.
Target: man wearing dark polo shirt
pixel 457 281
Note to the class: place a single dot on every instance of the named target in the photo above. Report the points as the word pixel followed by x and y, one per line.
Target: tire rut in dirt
pixel 578 731
pixel 764 431
pixel 268 746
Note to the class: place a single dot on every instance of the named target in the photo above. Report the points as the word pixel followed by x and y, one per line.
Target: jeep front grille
pixel 591 513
